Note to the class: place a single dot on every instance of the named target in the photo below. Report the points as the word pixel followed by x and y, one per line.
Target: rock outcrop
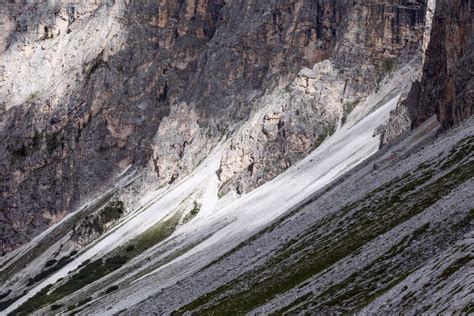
pixel 90 88
pixel 446 87
pixel 372 40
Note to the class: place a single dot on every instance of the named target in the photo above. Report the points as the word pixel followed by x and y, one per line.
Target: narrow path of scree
pixel 350 145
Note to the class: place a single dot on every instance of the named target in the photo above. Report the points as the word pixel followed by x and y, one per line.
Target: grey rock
pixel 90 88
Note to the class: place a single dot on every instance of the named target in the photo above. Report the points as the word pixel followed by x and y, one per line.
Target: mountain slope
pixel 89 89
pixel 316 198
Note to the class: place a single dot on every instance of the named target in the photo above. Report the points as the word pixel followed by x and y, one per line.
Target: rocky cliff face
pixel 446 87
pixel 90 88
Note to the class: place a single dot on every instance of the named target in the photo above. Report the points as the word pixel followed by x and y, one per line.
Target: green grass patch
pixel 32 97
pixel 347 108
pixel 112 211
pixel 328 131
pixel 195 210
pixel 17 263
pixel 91 271
pixel 388 65
pixel 151 236
pixel 455 267
pixel 54 266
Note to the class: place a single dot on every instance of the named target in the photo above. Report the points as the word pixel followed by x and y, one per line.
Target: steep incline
pixel 395 238
pixel 224 157
pixel 90 88
pixel 447 88
pixel 218 226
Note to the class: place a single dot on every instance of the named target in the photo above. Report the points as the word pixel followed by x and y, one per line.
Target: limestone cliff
pixel 446 88
pixel 91 88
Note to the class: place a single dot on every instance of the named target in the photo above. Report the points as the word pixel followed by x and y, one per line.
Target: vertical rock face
pixel 371 40
pixel 447 88
pixel 89 88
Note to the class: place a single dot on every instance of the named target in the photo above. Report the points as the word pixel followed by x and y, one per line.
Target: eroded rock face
pixel 447 88
pixel 89 88
pixel 372 39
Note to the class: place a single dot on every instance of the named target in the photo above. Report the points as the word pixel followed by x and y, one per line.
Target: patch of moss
pixel 195 210
pixel 348 108
pixel 91 272
pixel 31 97
pixel 328 131
pixel 455 267
pixel 40 299
pixel 54 265
pixel 151 236
pixel 388 65
pixel 113 211
pixel 16 263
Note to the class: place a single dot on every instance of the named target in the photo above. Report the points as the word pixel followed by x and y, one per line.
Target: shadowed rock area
pixel 447 86
pixel 158 84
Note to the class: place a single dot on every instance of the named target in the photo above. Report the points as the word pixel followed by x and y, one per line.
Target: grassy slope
pixel 350 229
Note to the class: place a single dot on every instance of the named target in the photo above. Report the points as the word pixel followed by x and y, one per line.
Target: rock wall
pixel 90 88
pixel 371 41
pixel 447 87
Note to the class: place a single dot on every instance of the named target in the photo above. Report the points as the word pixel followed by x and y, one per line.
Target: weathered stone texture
pixel 447 88
pixel 91 87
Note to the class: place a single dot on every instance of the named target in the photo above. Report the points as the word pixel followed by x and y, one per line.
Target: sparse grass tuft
pixel 113 211
pixel 455 267
pixel 32 97
pixel 348 108
pixel 388 65
pixel 196 208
